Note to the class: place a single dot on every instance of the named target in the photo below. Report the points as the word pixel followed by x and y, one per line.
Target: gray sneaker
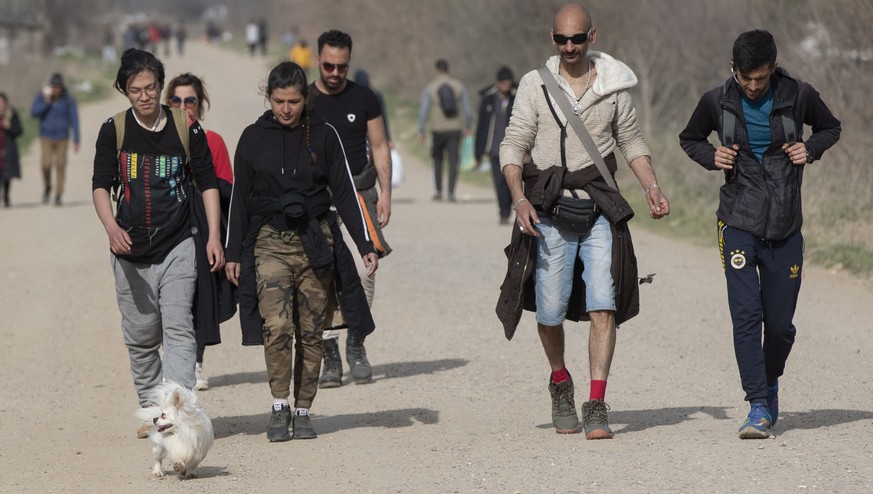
pixel 280 419
pixel 303 427
pixel 564 415
pixel 332 368
pixel 356 356
pixel 594 420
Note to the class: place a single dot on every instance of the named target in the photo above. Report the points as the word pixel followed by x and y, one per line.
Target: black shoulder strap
pixel 728 121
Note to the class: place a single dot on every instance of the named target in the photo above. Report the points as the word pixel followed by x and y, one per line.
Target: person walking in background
pixel 452 118
pixel 109 53
pixel 263 35
pixel 215 299
pixel 10 130
pixel 151 154
pixel 551 239
pixel 301 54
pixel 494 111
pixel 758 114
pixel 355 112
pixel 58 116
pixel 253 36
pixel 181 36
pixel 284 246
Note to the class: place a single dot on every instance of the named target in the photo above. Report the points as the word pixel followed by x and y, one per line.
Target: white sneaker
pixel 202 382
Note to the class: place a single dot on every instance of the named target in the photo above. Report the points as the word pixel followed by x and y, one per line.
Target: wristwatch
pixel 810 157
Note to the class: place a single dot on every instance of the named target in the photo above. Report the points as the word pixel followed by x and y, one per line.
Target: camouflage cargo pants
pixel 293 302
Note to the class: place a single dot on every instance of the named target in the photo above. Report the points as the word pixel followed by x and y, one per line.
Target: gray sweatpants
pixel 155 303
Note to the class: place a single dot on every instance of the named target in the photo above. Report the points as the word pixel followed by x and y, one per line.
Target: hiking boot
pixel 280 419
pixel 356 356
pixel 332 369
pixel 757 424
pixel 144 429
pixel 773 402
pixel 303 427
pixel 594 420
pixel 201 382
pixel 564 416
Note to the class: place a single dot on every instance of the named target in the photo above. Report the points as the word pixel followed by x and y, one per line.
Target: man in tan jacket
pixel 597 88
pixel 451 118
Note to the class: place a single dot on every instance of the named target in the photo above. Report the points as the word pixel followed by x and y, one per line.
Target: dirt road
pixel 454 407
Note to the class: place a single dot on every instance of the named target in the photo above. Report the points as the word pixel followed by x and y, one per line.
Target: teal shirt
pixel 757 116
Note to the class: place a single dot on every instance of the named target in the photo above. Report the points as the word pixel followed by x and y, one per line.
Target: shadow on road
pixel 640 420
pixel 382 371
pixel 253 425
pixel 416 368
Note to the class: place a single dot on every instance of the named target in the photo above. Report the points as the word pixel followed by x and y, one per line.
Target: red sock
pixel 598 390
pixel 560 376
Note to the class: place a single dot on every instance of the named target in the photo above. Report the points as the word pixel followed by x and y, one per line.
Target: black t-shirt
pixel 349 111
pixel 155 183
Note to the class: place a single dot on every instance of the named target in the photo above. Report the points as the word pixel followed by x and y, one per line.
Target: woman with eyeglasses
pixel 284 245
pixel 215 302
pixel 149 155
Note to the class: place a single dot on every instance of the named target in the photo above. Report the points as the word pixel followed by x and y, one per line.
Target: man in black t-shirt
pixel 355 112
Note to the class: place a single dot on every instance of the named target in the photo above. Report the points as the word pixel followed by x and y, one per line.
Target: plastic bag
pixel 468 161
pixel 397 177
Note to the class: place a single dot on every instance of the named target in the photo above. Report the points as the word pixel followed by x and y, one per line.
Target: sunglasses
pixel 576 39
pixel 176 101
pixel 330 67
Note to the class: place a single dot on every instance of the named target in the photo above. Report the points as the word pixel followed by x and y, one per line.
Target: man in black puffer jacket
pixel 759 115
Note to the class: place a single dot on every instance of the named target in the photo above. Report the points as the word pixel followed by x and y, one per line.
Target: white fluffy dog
pixel 182 430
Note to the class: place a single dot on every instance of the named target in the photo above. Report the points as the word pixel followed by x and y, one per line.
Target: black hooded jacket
pixel 761 198
pixel 272 163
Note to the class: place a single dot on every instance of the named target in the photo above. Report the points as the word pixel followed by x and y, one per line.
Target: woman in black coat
pixel 10 129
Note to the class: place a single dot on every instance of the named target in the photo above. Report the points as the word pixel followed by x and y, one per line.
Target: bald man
pixel 597 89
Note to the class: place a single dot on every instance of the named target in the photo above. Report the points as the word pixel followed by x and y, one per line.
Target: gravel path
pixel 454 407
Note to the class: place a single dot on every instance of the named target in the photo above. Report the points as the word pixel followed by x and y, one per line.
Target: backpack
pixel 448 101
pixel 729 124
pixel 180 118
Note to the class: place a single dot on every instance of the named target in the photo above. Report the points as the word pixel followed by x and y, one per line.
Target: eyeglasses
pixel 150 91
pixel 190 101
pixel 576 39
pixel 330 67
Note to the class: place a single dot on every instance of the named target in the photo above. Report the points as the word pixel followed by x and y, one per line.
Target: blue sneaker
pixel 757 424
pixel 773 402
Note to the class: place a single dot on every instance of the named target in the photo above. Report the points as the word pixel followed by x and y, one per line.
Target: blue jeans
pixel 556 255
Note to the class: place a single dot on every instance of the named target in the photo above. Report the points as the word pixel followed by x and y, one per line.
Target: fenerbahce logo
pixel 738 259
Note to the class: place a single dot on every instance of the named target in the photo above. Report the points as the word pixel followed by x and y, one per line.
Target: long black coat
pixel 12 163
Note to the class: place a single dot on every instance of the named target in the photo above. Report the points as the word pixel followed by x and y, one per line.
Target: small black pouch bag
pixel 572 214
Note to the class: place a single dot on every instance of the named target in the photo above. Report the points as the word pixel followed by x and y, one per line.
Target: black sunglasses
pixel 576 39
pixel 189 101
pixel 330 67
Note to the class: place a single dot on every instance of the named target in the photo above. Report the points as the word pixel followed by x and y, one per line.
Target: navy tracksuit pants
pixel 763 282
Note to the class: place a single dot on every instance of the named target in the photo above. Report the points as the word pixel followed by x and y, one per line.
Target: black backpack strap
pixel 788 127
pixel 728 121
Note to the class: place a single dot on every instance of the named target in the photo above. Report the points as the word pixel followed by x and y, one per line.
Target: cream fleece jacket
pixel 607 111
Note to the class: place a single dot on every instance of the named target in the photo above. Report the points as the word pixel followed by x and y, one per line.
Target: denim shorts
pixel 556 256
